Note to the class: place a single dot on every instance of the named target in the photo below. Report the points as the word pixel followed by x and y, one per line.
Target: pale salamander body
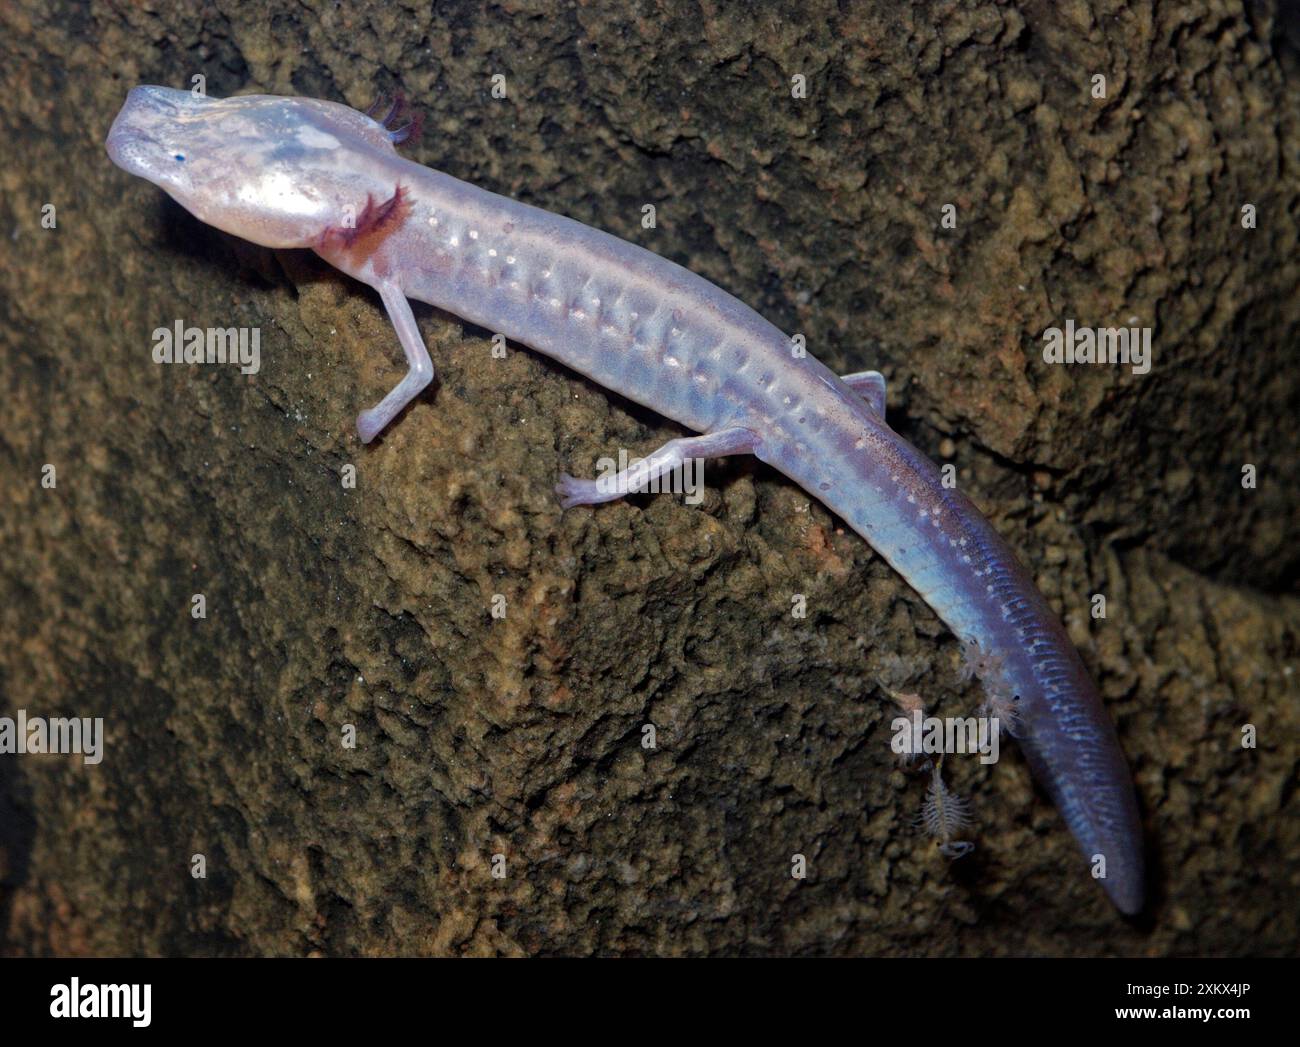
pixel 298 172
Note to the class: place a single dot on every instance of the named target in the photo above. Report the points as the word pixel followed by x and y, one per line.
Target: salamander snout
pixel 145 140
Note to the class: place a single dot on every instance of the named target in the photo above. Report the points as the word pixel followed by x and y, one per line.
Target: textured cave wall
pixel 522 736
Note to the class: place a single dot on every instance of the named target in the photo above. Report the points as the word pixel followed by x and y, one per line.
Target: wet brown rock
pixel 522 736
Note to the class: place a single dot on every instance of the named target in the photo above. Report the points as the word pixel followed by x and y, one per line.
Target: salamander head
pixel 276 171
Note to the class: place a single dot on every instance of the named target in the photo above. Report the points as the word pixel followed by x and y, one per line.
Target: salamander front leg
pixel 419 367
pixel 669 457
pixel 870 385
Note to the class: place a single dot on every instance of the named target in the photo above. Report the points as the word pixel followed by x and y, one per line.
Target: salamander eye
pixel 179 158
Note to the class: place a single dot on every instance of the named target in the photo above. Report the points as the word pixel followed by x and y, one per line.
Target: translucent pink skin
pixel 289 172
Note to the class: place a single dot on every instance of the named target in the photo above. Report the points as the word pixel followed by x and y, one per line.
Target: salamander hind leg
pixel 870 385
pixel 641 474
pixel 419 371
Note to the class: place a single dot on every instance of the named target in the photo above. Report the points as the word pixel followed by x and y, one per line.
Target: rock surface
pixel 524 735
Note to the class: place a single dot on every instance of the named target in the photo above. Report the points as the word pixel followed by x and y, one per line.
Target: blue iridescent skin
pixel 296 172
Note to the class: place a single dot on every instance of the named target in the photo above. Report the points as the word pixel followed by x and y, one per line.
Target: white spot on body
pixel 315 138
pixel 278 190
